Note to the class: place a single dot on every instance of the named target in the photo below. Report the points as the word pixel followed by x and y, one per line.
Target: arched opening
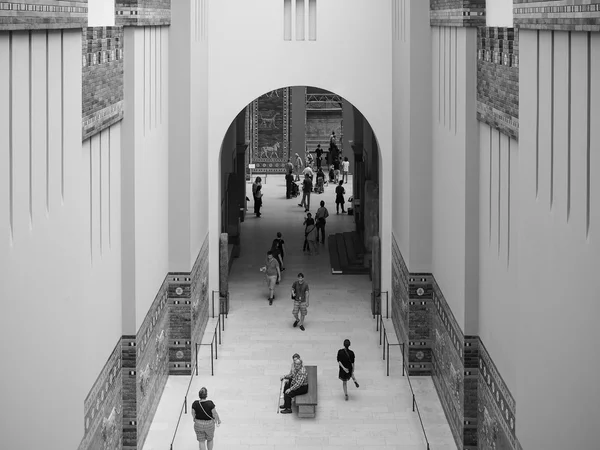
pixel 309 128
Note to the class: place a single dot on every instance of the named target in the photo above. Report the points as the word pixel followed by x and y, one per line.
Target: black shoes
pixel 270 301
pixel 356 384
pixel 302 327
pixel 295 324
pixel 286 411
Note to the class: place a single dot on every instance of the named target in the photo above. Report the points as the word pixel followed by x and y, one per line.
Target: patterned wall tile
pixel 457 13
pixel 102 79
pixel 129 373
pixel 498 79
pixel 270 131
pixel 496 407
pixel 399 295
pixel 103 407
pixel 142 12
pixel 200 296
pixel 566 15
pixel 448 365
pixel 43 14
pixel 180 317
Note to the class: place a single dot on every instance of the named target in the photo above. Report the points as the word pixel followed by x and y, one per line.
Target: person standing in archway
pixel 345 169
pixel 257 195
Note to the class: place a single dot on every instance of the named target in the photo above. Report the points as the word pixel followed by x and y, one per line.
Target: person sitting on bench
pixel 296 383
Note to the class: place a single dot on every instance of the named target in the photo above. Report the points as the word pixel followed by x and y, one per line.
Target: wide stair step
pixel 346 254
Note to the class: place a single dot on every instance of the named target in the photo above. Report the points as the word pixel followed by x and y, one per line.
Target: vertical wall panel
pixel 595 141
pixel 446 75
pixel 287 20
pixel 561 132
pixel 312 20
pixel 20 134
pixel 484 181
pixel 38 124
pixel 579 129
pixel 5 178
pixel 105 189
pixel 545 118
pixel 95 196
pixel 504 190
pixel 494 183
pixel 435 70
pixel 300 20
pixel 55 122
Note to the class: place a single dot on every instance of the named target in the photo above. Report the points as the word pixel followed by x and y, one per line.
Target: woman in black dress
pixel 345 359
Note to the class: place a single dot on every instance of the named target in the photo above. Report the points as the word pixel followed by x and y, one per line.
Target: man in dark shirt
pixel 319 154
pixel 300 295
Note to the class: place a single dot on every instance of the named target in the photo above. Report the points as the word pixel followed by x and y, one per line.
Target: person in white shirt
pixel 308 171
pixel 345 169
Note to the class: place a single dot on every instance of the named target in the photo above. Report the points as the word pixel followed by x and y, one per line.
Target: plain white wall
pixel 454 145
pixel 558 258
pixel 362 75
pixel 60 285
pixel 101 13
pixel 498 250
pixel 499 13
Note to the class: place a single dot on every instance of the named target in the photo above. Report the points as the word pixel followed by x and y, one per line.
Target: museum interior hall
pixel 219 193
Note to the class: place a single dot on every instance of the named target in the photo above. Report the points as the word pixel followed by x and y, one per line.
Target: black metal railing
pixel 215 341
pixel 384 341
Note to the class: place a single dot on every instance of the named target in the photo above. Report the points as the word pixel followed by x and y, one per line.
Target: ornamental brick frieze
pixel 457 13
pixel 565 15
pixel 102 79
pixel 498 79
pixel 142 12
pixel 43 14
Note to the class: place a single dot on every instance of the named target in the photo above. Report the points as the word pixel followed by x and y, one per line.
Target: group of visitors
pixel 294 383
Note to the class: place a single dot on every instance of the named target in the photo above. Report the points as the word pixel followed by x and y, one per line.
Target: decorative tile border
pixel 420 305
pixel 129 424
pixel 180 316
pixel 103 407
pixel 400 308
pixel 199 295
pixel 498 79
pixel 142 12
pixel 43 14
pixel 457 13
pixel 102 79
pixel 565 15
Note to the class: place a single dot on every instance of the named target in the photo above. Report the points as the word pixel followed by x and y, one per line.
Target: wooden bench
pixel 307 403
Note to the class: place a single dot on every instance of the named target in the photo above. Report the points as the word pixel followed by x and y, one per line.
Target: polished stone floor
pixel 259 340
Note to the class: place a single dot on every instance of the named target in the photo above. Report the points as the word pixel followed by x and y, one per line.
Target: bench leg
pixel 306 411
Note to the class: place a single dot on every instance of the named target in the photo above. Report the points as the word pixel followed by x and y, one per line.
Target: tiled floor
pixel 259 340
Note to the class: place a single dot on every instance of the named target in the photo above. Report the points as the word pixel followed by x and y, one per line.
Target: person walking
pixel 257 195
pixel 296 383
pixel 289 178
pixel 272 274
pixel 309 227
pixel 345 359
pixel 321 219
pixel 336 170
pixel 300 295
pixel 299 166
pixel 339 197
pixel 278 250
pixel 345 169
pixel 307 187
pixel 318 154
pixel 205 418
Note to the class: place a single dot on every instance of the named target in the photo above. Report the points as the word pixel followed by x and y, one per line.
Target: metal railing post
pixel 413 402
pixel 388 359
pixel 185 405
pixel 212 367
pixel 196 359
pixel 403 359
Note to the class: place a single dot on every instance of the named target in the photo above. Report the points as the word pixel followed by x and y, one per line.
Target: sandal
pixel 356 383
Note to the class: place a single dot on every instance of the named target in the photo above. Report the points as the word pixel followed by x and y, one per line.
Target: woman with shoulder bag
pixel 345 359
pixel 205 418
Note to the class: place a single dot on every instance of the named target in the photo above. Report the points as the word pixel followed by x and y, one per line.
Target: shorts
pixel 205 430
pixel 271 281
pixel 299 306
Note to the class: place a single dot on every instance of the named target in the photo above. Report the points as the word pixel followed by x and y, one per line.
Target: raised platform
pixel 347 254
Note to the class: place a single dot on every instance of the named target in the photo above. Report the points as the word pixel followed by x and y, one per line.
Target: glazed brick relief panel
pixel 102 79
pixel 447 363
pixel 103 408
pixel 142 12
pixel 498 79
pixel 129 357
pixel 496 408
pixel 43 14
pixel 200 296
pixel 471 380
pixel 566 15
pixel 400 277
pixel 180 320
pixel 420 303
pixel 457 13
pixel 151 362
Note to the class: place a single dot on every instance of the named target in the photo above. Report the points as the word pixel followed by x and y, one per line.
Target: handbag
pixel 353 377
pixel 211 417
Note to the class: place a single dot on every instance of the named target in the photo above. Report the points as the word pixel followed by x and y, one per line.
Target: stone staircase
pixel 347 254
